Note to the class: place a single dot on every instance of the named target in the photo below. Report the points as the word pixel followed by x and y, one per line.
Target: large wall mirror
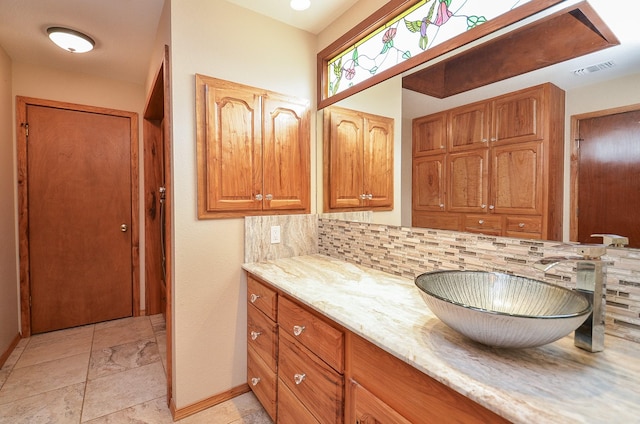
pixel 608 91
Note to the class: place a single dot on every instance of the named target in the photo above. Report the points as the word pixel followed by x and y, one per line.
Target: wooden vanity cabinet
pixel 384 389
pixel 504 157
pixel 358 160
pixel 253 150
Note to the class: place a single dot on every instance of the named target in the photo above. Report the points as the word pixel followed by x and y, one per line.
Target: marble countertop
pixel 555 383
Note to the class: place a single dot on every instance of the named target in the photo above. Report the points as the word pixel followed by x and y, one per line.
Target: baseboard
pixel 194 408
pixel 9 350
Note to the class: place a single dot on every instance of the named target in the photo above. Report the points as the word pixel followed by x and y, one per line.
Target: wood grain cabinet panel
pixel 429 135
pixel 262 336
pixel 428 183
pixel 262 382
pixel 358 160
pixel 290 410
pixel 414 395
pixel 504 157
pixel 262 297
pixel 371 410
pixel 253 150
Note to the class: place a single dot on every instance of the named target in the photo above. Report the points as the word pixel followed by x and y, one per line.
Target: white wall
pixel 221 40
pixel 9 314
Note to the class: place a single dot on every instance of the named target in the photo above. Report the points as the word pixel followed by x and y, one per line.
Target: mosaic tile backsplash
pixel 409 252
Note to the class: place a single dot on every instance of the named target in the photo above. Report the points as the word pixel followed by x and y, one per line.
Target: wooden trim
pixel 23 206
pixel 385 13
pixel 574 166
pixel 200 406
pixel 9 351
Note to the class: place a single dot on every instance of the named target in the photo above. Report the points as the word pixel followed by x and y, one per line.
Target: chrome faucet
pixel 590 282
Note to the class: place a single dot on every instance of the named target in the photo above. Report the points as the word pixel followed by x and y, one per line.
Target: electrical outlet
pixel 275 234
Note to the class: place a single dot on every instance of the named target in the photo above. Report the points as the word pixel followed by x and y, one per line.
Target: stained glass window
pixel 417 29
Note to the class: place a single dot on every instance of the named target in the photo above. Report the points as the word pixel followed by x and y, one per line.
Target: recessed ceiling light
pixel 70 40
pixel 300 4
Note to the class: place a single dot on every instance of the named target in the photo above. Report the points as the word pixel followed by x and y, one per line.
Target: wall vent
pixel 594 68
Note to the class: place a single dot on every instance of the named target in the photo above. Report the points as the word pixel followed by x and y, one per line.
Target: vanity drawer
pixel 262 336
pixel 262 382
pixel 290 410
pixel 524 224
pixel 313 332
pixel 262 297
pixel 485 224
pixel 316 385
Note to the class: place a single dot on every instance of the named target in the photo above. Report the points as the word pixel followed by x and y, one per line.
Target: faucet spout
pixel 590 282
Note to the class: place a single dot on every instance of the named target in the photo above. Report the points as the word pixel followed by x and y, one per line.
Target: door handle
pixel 124 228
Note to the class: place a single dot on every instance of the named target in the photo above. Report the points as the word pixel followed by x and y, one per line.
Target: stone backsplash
pixel 409 252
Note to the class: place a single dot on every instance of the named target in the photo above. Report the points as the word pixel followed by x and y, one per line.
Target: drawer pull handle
pixel 255 334
pixel 521 225
pixel 254 297
pixel 298 329
pixel 255 381
pixel 298 378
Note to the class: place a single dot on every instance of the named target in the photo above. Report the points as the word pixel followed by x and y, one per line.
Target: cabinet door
pixel 468 181
pixel 429 134
pixel 469 127
pixel 286 154
pixel 378 162
pixel 428 183
pixel 516 182
pixel 368 409
pixel 517 117
pixel 231 157
pixel 344 136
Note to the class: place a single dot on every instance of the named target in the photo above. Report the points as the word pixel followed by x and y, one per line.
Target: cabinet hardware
pixel 124 228
pixel 491 207
pixel 298 329
pixel 483 206
pixel 521 225
pixel 254 297
pixel 258 197
pixel 255 334
pixel 299 378
pixel 441 205
pixel 255 381
pixel 269 197
pixel 481 222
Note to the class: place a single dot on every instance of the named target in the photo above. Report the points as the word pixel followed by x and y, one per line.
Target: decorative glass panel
pixel 422 26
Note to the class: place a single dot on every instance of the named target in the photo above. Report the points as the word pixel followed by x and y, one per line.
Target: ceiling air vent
pixel 594 68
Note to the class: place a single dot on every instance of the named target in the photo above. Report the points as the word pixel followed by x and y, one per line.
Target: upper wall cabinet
pixel 501 171
pixel 358 161
pixel 253 150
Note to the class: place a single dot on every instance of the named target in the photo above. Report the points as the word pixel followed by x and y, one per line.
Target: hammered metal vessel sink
pixel 503 310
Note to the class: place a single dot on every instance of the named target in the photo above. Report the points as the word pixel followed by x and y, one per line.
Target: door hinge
pixel 578 140
pixel 25 125
pixel 29 301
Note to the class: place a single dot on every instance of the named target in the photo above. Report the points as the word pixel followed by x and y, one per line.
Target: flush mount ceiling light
pixel 300 4
pixel 70 40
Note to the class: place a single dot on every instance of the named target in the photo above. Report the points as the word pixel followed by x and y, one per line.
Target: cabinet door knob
pixel 369 196
pixel 363 196
pixel 441 205
pixel 491 207
pixel 258 197
pixel 298 329
pixel 255 381
pixel 521 225
pixel 255 334
pixel 494 138
pixel 481 222
pixel 484 140
pixel 269 197
pixel 299 378
pixel 483 206
pixel 254 297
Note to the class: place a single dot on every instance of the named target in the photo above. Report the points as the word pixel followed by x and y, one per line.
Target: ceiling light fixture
pixel 300 4
pixel 70 40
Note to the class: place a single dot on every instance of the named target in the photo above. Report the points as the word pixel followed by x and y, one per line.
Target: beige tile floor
pixel 111 372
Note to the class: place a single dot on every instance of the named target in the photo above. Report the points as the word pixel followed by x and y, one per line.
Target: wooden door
pixel 468 181
pixel 516 179
pixel 469 127
pixel 79 217
pixel 378 162
pixel 286 154
pixel 230 153
pixel 429 134
pixel 517 117
pixel 344 135
pixel 609 177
